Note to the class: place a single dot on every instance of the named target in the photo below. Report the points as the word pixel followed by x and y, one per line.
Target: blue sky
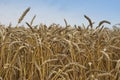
pixel 49 11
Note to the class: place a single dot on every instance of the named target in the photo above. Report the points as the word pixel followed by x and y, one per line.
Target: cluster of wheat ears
pixel 59 52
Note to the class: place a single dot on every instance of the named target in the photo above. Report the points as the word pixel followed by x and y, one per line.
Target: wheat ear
pixel 32 19
pixel 23 15
pixel 89 20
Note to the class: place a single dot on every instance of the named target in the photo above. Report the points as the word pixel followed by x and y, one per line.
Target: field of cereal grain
pixel 57 52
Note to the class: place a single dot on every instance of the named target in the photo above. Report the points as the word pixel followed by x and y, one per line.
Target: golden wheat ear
pixel 102 22
pixel 90 21
pixel 22 16
pixel 66 24
pixel 32 20
pixel 30 27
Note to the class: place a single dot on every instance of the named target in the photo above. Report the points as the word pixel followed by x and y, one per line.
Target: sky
pixel 54 11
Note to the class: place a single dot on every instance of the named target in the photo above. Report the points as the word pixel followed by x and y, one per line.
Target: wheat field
pixel 58 52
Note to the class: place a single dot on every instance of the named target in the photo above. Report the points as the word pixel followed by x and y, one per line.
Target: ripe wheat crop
pixel 59 52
